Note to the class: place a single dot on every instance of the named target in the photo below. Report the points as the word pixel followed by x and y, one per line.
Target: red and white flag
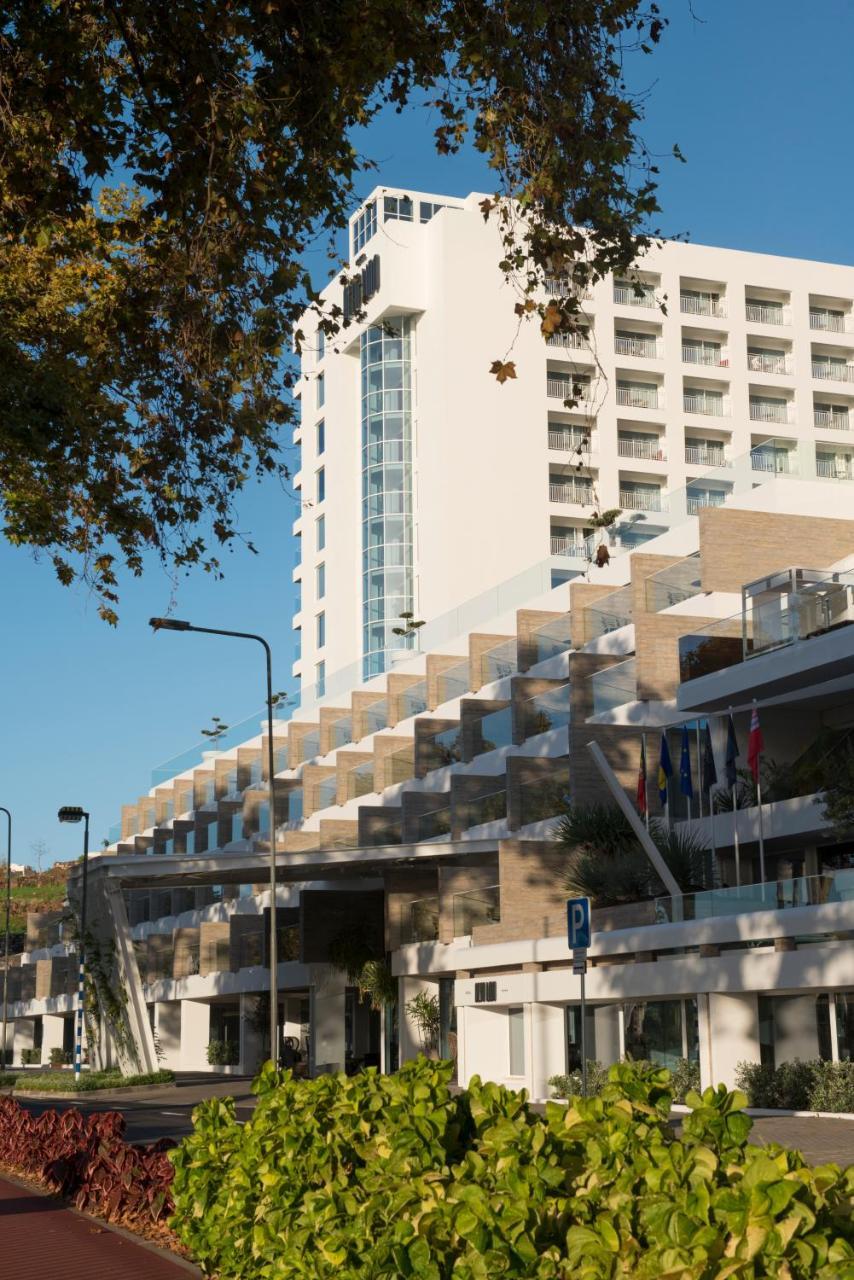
pixel 754 745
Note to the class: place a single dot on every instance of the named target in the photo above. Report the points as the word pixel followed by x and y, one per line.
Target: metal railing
pixel 637 500
pixel 828 322
pixel 568 546
pixel 696 502
pixel 642 347
pixel 576 340
pixel 701 355
pixel 569 440
pixel 768 362
pixel 701 305
pixel 702 457
pixel 568 388
pixel 577 493
pixel 765 313
pixel 833 468
pixel 697 402
pixel 650 449
pixel 637 397
pixel 832 371
pixel 476 907
pixel 832 420
pixel 777 461
pixel 763 411
pixel 627 295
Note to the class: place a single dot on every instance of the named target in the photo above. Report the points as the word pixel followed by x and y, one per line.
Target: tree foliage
pixel 165 166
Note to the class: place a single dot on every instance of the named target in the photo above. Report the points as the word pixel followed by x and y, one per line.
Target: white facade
pixel 712 362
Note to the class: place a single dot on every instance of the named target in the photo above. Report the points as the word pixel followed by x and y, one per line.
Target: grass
pixel 90 1081
pixel 34 897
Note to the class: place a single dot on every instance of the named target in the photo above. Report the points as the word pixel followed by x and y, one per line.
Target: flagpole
pixel 645 787
pixel 761 837
pixel 699 768
pixel 735 827
pixel 756 769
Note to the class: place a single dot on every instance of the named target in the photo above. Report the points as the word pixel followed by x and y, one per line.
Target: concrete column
pixel 167 1032
pixel 195 1034
pixel 53 1027
pixel 251 1040
pixel 795 1028
pixel 607 1046
pixel 733 1034
pixel 410 1039
pixel 23 1037
pixel 327 997
pixel 704 1036
pixel 548 1047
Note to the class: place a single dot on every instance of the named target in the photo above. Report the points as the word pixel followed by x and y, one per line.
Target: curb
pixel 78 1095
pixel 760 1113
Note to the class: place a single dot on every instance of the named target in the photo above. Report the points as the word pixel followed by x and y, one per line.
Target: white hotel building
pixel 417 789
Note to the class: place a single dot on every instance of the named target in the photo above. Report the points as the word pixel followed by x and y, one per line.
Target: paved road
pixel 161 1113
pixel 41 1238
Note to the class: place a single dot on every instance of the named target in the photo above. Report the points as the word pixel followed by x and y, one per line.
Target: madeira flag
pixel 665 770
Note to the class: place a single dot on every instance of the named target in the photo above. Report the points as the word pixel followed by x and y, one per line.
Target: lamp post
pixel 8 911
pixel 175 624
pixel 73 813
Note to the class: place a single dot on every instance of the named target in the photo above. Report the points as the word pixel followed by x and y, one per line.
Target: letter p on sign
pixel 578 922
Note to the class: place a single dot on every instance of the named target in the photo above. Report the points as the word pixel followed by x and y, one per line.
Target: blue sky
pixel 759 97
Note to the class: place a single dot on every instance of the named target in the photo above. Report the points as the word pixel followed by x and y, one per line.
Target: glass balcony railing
pixel 280 759
pixel 542 798
pixel 614 686
pixel 236 827
pixel 494 730
pixel 295 806
pixel 491 807
pixel 190 842
pixel 255 776
pixel 454 682
pixel 544 712
pixel 500 661
pixel 342 732
pixel 413 701
pixel 310 744
pixel 400 765
pixel 229 783
pixel 327 793
pixel 440 750
pixel 376 716
pixel 360 780
pixel 773 895
pixel 608 613
pixel 476 907
pixel 551 639
pixel 673 585
pixel 420 920
pixel 433 824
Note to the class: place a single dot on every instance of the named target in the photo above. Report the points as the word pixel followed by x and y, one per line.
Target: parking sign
pixel 578 923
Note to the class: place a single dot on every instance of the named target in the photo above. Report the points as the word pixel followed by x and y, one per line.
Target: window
pixel 397 207
pixel 426 210
pixel 320 532
pixel 321 484
pixel 321 345
pixel 321 390
pixel 364 226
pixel 516 1022
pixel 320 431
pixel 320 630
pixel 320 678
pixel 320 573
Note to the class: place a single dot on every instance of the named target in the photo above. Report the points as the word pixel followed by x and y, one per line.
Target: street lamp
pixel 8 910
pixel 176 624
pixel 73 813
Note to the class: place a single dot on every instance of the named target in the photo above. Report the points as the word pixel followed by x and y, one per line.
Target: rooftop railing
pixel 772 895
pixel 441 749
pixel 476 907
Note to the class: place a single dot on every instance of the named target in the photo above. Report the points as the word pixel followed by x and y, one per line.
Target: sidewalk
pixel 39 1237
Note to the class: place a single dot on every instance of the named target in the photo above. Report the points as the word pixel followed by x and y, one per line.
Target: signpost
pixel 578 937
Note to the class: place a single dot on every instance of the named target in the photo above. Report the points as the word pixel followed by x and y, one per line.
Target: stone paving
pixel 819 1141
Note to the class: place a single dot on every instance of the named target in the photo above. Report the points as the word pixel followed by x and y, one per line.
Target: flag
pixel 686 782
pixel 708 772
pixel 665 769
pixel 641 794
pixel 754 745
pixel 731 754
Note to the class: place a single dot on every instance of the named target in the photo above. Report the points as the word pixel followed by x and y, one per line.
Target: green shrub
pixel 833 1087
pixel 223 1053
pixel 378 1177
pixel 684 1078
pixel 90 1081
pixel 568 1085
pixel 31 1057
pixel 59 1057
pixel 788 1087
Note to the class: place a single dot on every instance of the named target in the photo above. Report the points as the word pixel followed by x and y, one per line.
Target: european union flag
pixel 686 782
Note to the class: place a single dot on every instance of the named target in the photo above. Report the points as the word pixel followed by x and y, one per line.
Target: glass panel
pixel 295 805
pixel 845 1025
pixel 674 584
pixel 614 686
pixel 545 711
pixel 435 823
pixel 342 731
pixel 542 798
pixel 608 613
pixel 552 638
pixel 454 682
pixel 327 793
pixel 442 749
pixel 420 920
pixel 654 1032
pixel 376 717
pixel 476 907
pixel 500 661
pixel 414 700
pixel 360 780
pixel 775 895
pixel 494 730
pixel 491 807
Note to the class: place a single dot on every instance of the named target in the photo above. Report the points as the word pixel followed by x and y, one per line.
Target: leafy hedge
pixel 394 1176
pixel 85 1158
pixel 90 1081
pixel 799 1086
pixel 684 1077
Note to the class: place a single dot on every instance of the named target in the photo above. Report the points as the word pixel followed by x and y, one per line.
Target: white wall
pixel 195 1034
pixel 733 1023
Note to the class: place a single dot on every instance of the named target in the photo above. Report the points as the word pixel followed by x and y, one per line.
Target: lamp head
pixel 71 813
pixel 168 624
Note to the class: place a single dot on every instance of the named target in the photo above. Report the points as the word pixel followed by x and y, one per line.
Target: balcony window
pixel 763 361
pixel 397 209
pixel 321 390
pixel 701 351
pixel 699 498
pixel 697 302
pixel 708 402
pixel 833 368
pixel 772 458
pixel 427 209
pixel 634 444
pixel 628 293
pixel 638 395
pixel 320 533
pixel 320 630
pixel 828 319
pixel 833 466
pixel 768 409
pixel 761 312
pixel 320 349
pixel 705 453
pixel 569 491
pixel 576 340
pixel 568 438
pixel 320 485
pixel 320 441
pixel 640 497
pixel 832 416
pixel 560 386
pixel 320 583
pixel 364 227
pixel 627 343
